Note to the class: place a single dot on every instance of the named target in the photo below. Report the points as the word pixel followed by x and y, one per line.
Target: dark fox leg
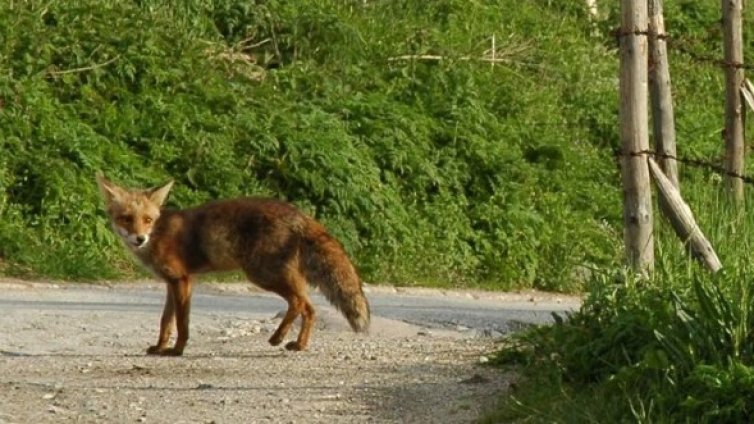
pixel 166 323
pixel 291 286
pixel 291 314
pixel 182 296
pixel 297 305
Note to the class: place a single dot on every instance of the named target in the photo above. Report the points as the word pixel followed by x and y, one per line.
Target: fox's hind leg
pixel 294 309
pixel 291 286
pixel 307 322
pixel 297 305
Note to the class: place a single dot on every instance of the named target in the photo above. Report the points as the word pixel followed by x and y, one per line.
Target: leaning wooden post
pixel 734 77
pixel 634 132
pixel 591 7
pixel 663 120
pixel 747 91
pixel 682 220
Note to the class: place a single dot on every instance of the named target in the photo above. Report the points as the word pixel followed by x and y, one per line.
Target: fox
pixel 278 247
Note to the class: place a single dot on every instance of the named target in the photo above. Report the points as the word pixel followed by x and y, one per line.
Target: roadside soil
pixel 87 365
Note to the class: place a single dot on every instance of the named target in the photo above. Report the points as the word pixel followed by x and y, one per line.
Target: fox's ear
pixel 110 191
pixel 159 194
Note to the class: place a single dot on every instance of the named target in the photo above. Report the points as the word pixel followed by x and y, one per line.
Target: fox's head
pixel 133 212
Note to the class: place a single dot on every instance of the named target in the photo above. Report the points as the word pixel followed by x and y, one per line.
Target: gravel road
pixel 75 353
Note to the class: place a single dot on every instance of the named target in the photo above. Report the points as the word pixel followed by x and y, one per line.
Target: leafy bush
pixel 448 172
pixel 675 348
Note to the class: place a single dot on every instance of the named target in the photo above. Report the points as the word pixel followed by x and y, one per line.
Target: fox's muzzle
pixel 134 240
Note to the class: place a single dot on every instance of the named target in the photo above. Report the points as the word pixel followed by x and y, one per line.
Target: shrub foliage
pixel 432 166
pixel 449 171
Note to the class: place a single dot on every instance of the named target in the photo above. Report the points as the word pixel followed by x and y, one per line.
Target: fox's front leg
pixel 166 324
pixel 179 291
pixel 182 301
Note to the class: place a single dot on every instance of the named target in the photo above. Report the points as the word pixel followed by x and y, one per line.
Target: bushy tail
pixel 326 266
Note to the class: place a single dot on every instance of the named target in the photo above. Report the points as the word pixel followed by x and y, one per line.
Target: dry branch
pixel 433 57
pixel 492 55
pixel 240 62
pixel 82 69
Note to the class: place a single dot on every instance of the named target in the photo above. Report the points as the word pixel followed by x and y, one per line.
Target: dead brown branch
pixel 54 73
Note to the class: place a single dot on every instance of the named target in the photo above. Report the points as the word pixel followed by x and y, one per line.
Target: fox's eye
pixel 148 220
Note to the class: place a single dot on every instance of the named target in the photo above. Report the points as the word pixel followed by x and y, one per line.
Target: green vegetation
pixel 676 348
pixel 447 172
pixel 450 172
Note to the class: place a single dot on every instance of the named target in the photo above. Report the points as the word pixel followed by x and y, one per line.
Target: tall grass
pixel 675 348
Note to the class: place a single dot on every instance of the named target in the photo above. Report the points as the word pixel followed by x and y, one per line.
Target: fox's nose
pixel 141 239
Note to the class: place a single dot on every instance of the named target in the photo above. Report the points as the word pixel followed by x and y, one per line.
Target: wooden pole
pixel 734 77
pixel 682 220
pixel 663 120
pixel 634 132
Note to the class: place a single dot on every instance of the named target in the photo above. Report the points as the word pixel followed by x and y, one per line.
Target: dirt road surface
pixel 75 353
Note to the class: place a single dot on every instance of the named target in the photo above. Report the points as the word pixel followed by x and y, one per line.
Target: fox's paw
pixel 173 351
pixel 156 350
pixel 294 346
pixel 275 340
pixel 164 351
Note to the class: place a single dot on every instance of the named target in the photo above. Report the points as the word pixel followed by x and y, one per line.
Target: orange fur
pixel 278 248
